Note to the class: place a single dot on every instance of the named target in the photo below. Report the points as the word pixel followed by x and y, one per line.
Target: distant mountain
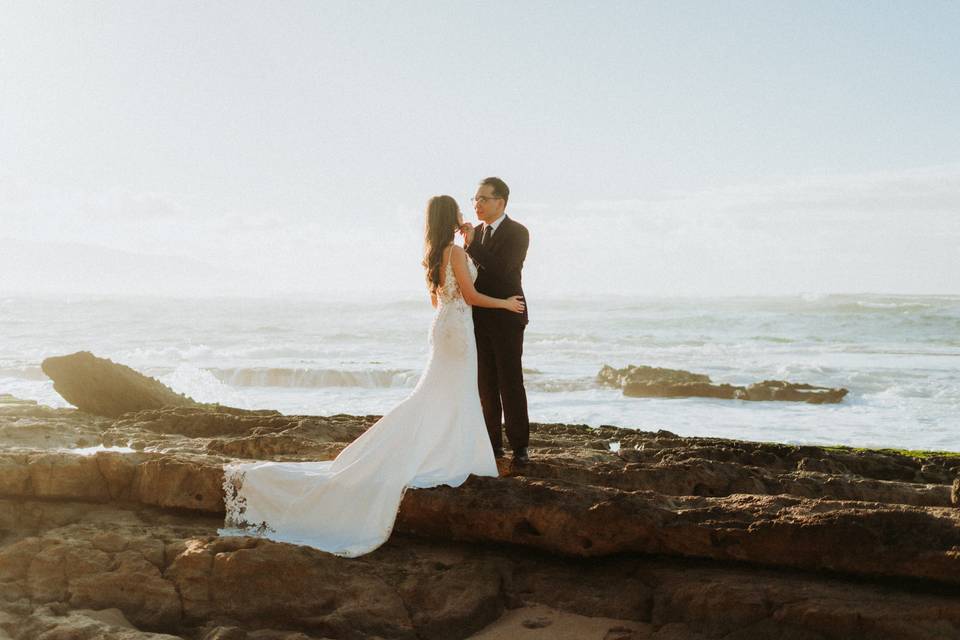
pixel 52 267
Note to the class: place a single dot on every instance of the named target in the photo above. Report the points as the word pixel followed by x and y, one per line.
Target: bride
pixel 348 505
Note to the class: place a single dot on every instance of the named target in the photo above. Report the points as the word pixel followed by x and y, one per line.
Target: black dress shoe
pixel 498 452
pixel 520 455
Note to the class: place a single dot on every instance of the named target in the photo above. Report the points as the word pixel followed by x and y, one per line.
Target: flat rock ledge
pixel 561 517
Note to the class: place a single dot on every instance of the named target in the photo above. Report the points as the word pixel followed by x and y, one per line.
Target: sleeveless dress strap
pixel 448 272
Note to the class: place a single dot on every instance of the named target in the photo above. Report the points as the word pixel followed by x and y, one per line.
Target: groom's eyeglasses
pixel 483 199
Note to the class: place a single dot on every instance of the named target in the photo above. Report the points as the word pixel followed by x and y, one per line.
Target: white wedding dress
pixel 347 506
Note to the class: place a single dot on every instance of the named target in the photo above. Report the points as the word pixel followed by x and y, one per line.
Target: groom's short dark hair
pixel 500 188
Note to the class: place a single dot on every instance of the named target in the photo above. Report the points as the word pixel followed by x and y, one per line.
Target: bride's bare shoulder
pixel 450 254
pixel 458 257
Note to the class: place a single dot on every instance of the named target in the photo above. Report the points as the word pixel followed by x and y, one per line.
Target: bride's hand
pixel 514 303
pixel 467 230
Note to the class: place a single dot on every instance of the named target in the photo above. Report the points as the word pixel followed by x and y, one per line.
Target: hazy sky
pixel 651 147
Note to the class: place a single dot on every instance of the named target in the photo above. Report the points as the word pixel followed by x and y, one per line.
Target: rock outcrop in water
pixel 656 382
pixel 104 388
pixel 666 537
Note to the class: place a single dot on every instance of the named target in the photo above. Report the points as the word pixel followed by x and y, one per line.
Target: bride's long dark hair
pixel 441 225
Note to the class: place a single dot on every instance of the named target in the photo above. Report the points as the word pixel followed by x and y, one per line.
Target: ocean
pixel 898 355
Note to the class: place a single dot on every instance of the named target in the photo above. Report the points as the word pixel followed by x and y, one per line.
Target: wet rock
pixel 792 392
pixel 655 382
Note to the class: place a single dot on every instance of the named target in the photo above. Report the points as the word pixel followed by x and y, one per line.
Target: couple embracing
pixel 436 435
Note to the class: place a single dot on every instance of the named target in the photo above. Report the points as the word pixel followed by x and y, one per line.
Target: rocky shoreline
pixel 657 536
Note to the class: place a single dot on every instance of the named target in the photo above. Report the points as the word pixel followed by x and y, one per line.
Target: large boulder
pixel 105 388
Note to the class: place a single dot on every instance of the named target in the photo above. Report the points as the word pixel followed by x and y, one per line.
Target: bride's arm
pixel 470 294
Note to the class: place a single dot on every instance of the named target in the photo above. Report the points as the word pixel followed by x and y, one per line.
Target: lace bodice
pixel 451 332
pixel 450 291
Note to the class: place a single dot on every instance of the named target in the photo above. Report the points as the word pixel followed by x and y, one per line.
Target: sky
pixel 652 148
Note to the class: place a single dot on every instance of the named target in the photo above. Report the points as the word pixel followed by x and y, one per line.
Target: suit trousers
pixel 500 381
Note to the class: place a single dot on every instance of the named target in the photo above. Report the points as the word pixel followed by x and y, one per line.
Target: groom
pixel 498 247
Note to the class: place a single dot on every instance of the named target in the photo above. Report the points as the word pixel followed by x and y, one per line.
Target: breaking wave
pixel 316 378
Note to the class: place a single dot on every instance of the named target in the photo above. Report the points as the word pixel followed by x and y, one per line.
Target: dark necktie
pixel 487 232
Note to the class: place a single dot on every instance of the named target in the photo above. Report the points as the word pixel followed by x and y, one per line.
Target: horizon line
pixel 393 296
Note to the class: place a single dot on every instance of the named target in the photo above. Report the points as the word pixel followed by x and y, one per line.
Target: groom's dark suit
pixel 499 332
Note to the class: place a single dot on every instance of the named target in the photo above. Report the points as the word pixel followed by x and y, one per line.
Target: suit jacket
pixel 499 267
